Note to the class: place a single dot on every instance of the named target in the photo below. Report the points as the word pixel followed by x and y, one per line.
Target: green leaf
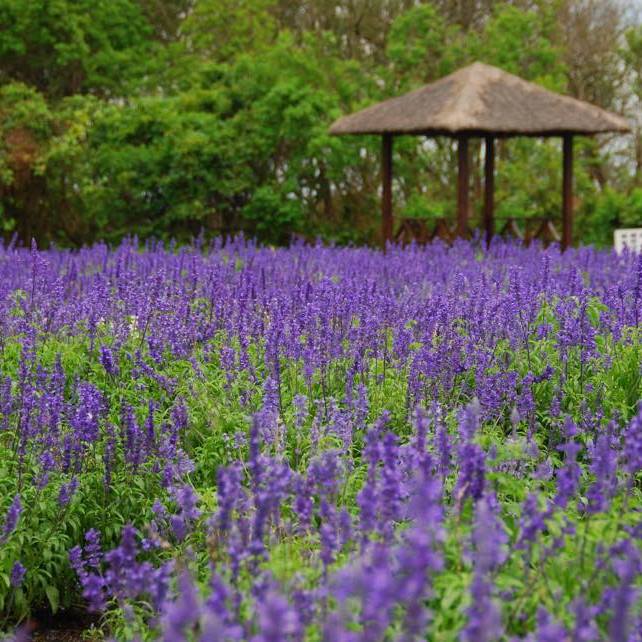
pixel 53 595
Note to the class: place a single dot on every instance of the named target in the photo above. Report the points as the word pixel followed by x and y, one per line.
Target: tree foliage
pixel 162 117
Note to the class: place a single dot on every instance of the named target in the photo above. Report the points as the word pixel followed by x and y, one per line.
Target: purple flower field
pixel 232 442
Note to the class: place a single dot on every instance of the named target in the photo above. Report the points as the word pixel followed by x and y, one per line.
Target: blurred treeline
pixel 164 117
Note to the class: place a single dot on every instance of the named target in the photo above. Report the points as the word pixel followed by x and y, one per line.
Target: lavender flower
pixel 186 500
pixel 568 476
pixel 11 519
pixel 459 349
pixel 277 619
pixel 633 444
pixel 18 572
pixel 547 629
pixel 489 537
pixel 67 491
pixel 182 614
pixel 484 619
pixel 107 361
pixel 627 568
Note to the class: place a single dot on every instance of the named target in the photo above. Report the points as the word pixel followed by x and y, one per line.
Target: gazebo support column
pixel 458 106
pixel 489 189
pixel 386 179
pixel 567 192
pixel 463 186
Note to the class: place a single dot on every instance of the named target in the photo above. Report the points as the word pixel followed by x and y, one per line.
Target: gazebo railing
pixel 421 231
pixel 540 228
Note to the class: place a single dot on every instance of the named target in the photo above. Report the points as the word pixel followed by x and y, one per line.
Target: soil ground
pixel 66 626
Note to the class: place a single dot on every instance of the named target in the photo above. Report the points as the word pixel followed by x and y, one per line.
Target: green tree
pixel 39 151
pixel 522 43
pixel 250 152
pixel 422 46
pixel 65 47
pixel 631 54
pixel 225 29
pixel 163 116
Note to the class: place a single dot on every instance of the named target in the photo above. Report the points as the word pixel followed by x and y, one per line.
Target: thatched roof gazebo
pixel 480 101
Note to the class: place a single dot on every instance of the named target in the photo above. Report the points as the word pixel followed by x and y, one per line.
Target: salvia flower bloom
pixel 532 521
pixel 471 458
pixel 92 550
pixel 627 568
pixel 633 444
pixel 86 419
pixel 11 519
pixel 568 476
pixel 472 472
pixel 484 618
pixel 604 462
pixel 547 629
pixel 108 361
pixel 18 572
pixel 186 501
pixel 117 574
pixel 335 354
pixel 585 627
pixel 278 620
pixel 489 535
pixel 181 615
pixel 67 492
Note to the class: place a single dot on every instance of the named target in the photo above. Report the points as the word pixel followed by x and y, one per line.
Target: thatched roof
pixel 481 100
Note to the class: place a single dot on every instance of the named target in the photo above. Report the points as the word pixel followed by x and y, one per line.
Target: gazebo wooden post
pixel 489 189
pixel 463 186
pixel 386 179
pixel 567 191
pixel 443 108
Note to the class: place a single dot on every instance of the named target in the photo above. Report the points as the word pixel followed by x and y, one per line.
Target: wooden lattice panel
pixel 628 237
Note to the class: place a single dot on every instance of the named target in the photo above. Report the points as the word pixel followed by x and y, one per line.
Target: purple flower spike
pixel 107 361
pixel 278 620
pixel 11 519
pixel 484 619
pixel 18 572
pixel 182 614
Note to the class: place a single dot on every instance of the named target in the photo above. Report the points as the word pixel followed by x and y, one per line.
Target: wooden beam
pixel 489 189
pixel 386 179
pixel 463 186
pixel 567 192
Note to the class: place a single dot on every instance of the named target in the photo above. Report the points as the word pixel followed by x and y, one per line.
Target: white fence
pixel 631 238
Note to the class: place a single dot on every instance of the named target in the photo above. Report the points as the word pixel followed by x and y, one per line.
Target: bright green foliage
pixel 521 42
pixel 610 209
pixel 230 154
pixel 416 46
pixel 215 114
pixel 225 29
pixel 65 47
